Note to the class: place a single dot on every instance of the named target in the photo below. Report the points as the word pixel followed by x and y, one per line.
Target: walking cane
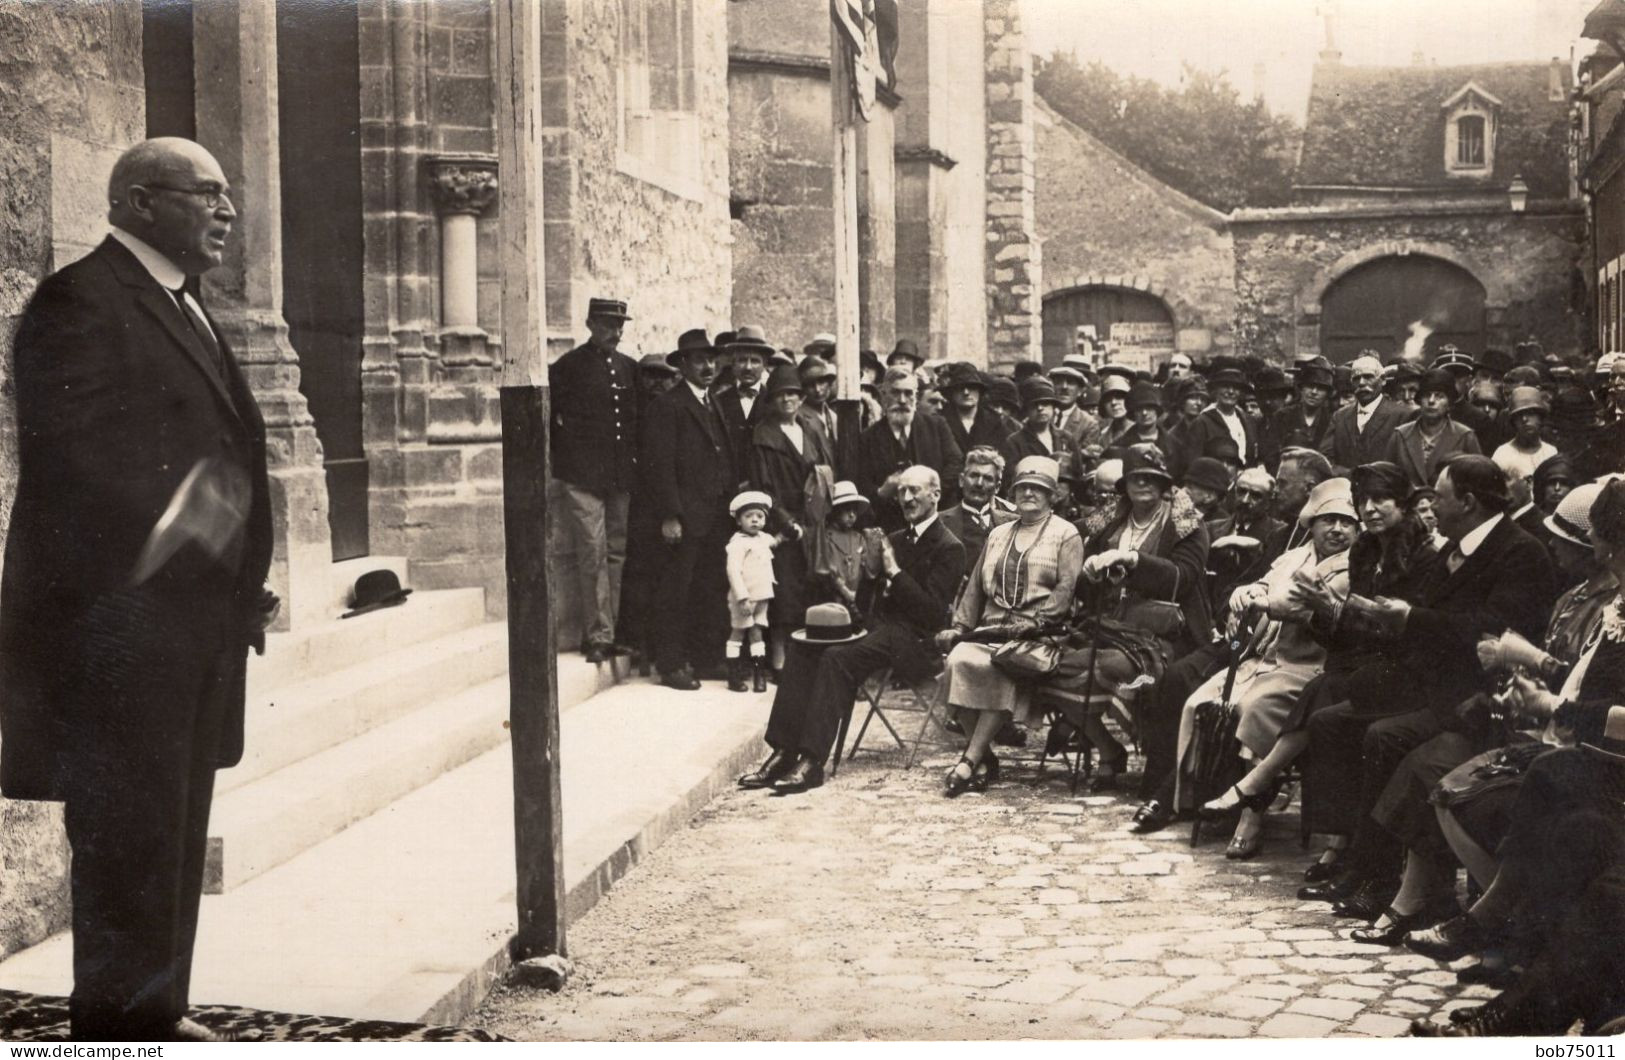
pixel 1114 576
pixel 1209 733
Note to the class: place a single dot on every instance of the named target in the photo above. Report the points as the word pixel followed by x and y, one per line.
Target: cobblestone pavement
pixel 874 908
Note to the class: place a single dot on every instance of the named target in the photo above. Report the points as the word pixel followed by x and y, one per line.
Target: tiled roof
pixel 1383 126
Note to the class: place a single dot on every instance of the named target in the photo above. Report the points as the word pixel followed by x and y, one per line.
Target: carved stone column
pixel 462 187
pixel 235 69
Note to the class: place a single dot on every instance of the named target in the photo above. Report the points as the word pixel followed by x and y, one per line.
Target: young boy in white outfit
pixel 750 589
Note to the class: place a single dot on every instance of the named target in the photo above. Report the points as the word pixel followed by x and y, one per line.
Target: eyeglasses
pixel 212 197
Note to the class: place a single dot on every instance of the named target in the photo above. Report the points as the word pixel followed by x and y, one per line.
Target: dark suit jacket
pixel 1210 425
pixel 962 525
pixel 1506 583
pixel 594 415
pixel 986 429
pixel 689 466
pixel 1232 567
pixel 117 400
pixel 1347 447
pixel 1025 443
pixel 1405 450
pixel 880 457
pixel 920 598
pixel 1287 429
pixel 740 426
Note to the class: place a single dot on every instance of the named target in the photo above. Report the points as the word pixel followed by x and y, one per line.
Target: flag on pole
pixel 856 21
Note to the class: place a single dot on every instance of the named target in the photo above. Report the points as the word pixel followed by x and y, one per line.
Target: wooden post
pixel 532 640
pixel 844 182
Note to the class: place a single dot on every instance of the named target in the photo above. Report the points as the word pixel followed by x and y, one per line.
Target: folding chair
pixel 927 696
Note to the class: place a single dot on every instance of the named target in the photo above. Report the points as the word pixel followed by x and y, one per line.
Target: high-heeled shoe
pixel 1243 847
pixel 1400 925
pixel 955 785
pixel 1236 799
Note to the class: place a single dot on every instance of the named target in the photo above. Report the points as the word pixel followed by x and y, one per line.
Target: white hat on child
pixel 750 499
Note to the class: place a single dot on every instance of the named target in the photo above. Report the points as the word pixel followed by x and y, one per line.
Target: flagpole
pixel 844 185
pixel 533 709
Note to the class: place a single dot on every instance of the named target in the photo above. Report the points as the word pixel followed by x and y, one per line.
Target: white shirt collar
pixel 700 393
pixel 1368 409
pixel 166 272
pixel 1475 537
pixel 923 525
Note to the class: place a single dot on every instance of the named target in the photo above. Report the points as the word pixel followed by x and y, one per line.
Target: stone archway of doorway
pixel 1395 301
pixel 1133 319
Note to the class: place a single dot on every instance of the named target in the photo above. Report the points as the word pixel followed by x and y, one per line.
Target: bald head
pixel 159 192
pixel 919 488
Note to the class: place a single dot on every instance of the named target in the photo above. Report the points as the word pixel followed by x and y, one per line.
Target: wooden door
pixel 1376 305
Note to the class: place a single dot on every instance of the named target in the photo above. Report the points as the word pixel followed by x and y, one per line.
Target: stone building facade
pixel 1433 204
pixel 686 170
pixel 1109 229
pixel 66 114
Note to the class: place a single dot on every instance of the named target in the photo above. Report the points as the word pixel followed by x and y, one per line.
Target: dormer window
pixel 1471 116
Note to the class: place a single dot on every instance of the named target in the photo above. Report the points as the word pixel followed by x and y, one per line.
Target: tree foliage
pixel 1201 138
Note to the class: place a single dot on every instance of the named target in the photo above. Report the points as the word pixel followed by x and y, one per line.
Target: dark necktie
pixel 748 392
pixel 1453 562
pixel 200 328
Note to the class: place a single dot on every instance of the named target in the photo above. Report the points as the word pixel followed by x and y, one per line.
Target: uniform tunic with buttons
pixel 595 419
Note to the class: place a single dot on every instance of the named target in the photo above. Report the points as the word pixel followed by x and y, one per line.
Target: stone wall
pixel 66 110
pixel 779 142
pixel 1013 266
pixel 1287 258
pixel 1103 220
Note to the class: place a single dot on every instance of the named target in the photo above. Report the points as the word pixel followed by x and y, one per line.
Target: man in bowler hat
pixel 690 472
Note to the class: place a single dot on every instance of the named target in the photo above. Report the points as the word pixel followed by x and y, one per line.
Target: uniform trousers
pixel 597 527
pixel 149 698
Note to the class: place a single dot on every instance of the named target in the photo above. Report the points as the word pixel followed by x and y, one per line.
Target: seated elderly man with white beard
pixel 1281 657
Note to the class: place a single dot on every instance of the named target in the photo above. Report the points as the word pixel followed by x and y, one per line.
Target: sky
pixel 1271 45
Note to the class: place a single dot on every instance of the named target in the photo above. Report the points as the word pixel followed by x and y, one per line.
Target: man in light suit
pixel 120 696
pixel 1359 432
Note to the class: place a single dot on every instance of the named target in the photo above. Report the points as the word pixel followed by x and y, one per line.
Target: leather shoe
pixel 803 775
pixel 1334 889
pixel 1321 871
pixel 596 653
pixel 1367 901
pixel 1151 817
pixel 683 680
pixel 1451 940
pixel 778 763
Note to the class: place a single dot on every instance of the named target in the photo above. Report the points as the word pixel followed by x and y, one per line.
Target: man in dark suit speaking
pixel 121 694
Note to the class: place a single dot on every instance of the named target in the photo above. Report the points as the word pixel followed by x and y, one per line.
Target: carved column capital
pixel 465 184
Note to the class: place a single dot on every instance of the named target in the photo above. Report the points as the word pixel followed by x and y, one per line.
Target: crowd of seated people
pixel 1397 584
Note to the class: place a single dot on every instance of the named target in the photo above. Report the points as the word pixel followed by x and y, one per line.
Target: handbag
pixel 1161 618
pixel 1029 658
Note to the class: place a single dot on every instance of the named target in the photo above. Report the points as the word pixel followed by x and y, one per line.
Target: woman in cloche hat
pixel 1023 581
pixel 782 454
